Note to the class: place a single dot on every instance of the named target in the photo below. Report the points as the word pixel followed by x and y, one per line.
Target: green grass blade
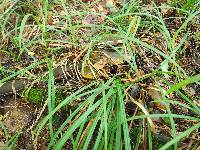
pixel 189 18
pixel 197 110
pixel 180 136
pixel 163 116
pixel 75 112
pixel 22 27
pixel 22 71
pixel 80 132
pixel 5 131
pixel 123 116
pixel 138 139
pixel 139 42
pixel 51 95
pixel 165 31
pixel 118 130
pixel 62 104
pixel 183 83
pixel 99 137
pixel 92 129
pixel 12 142
pixel 76 124
pixel 180 104
pixel 150 143
pixel 172 123
pixel 105 121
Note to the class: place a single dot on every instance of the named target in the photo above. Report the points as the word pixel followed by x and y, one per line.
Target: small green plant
pixel 36 95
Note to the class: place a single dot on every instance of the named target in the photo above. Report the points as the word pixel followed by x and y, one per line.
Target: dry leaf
pixel 87 72
pixel 156 95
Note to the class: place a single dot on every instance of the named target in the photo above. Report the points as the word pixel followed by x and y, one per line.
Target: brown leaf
pixel 156 95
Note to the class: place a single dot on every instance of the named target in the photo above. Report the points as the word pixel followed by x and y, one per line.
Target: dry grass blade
pixel 143 109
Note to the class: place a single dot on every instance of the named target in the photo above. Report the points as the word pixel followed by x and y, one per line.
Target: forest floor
pixel 100 74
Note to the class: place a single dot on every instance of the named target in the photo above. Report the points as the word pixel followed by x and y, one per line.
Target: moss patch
pixel 36 95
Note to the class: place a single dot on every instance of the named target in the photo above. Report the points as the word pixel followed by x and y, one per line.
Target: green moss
pixel 36 95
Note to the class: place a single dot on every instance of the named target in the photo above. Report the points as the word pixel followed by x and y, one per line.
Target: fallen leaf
pixel 156 95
